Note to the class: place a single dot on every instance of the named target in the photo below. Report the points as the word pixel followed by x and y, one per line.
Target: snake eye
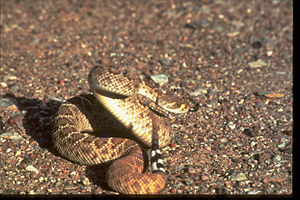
pixel 182 106
pixel 178 105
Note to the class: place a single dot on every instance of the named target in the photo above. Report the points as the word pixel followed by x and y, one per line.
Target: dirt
pixel 232 58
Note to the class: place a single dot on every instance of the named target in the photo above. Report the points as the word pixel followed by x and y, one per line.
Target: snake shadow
pixel 37 120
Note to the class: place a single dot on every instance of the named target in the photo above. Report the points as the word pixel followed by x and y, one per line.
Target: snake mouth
pixel 110 94
pixel 195 108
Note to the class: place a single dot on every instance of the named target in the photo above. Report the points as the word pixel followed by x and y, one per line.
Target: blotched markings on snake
pixel 114 125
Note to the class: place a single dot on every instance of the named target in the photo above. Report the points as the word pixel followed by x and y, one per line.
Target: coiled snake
pixel 114 125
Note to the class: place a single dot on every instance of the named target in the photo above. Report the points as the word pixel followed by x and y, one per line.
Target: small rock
pixel 178 168
pixel 281 145
pixel 274 95
pixel 9 77
pixel 31 168
pixel 198 91
pixel 254 192
pixel 171 177
pixel 18 153
pixel 281 73
pixel 73 173
pixel 204 178
pixel 13 136
pixel 3 84
pixel 257 64
pixel 200 23
pixel 8 104
pixel 223 140
pixel 189 182
pixel 160 79
pixel 31 192
pixel 256 44
pixel 233 34
pixel 57 184
pixel 238 176
pixel 213 92
pixel 165 61
pixel 284 141
pixel 208 148
pixel 277 159
pixel 269 53
pixel 248 132
pixel 237 160
pixel 184 176
pixel 191 170
pixel 231 125
pixel 253 143
pixel 86 182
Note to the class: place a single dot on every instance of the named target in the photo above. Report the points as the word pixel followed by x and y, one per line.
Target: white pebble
pixel 161 79
pixel 31 169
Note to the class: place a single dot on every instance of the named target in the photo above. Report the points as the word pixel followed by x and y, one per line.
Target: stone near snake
pixel 114 125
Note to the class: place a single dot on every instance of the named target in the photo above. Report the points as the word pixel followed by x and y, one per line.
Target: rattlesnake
pixel 91 129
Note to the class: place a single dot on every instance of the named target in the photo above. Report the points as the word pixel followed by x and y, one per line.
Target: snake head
pixel 173 104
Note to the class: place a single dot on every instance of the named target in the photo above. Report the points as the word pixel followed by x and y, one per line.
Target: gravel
pixel 232 58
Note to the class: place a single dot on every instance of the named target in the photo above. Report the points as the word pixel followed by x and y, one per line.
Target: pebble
pixel 248 132
pixel 231 125
pixel 237 160
pixel 31 168
pixel 6 103
pixel 178 168
pixel 191 170
pixel 223 140
pixel 86 182
pixel 184 176
pixel 165 61
pixel 254 192
pixel 3 84
pixel 253 143
pixel 57 184
pixel 9 77
pixel 198 91
pixel 257 64
pixel 238 176
pixel 200 23
pixel 73 173
pixel 277 159
pixel 189 182
pixel 284 140
pixel 160 79
pixel 204 178
pixel 13 136
pixel 18 153
pixel 31 192
pixel 203 63
pixel 281 145
pixel 269 53
pixel 256 44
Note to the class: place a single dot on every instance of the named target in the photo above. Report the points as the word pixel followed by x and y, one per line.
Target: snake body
pixel 114 125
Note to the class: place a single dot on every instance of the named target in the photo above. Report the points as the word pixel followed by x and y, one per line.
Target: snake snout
pixel 195 108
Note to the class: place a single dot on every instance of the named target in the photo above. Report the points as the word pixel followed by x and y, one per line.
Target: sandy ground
pixel 232 58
